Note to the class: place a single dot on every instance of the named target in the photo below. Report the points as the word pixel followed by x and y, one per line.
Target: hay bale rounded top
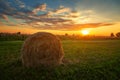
pixel 42 48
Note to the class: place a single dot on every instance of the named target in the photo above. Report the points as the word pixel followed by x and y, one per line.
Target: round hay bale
pixel 42 48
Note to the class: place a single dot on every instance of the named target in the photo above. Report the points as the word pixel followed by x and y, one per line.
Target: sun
pixel 85 32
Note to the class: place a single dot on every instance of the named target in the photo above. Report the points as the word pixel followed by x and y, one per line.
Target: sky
pixel 100 17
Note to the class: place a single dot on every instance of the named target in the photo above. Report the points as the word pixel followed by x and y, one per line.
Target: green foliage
pixel 12 37
pixel 89 60
pixel 22 37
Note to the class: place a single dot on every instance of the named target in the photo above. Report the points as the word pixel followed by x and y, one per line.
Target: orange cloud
pixel 4 17
pixel 75 27
pixel 62 10
pixel 68 27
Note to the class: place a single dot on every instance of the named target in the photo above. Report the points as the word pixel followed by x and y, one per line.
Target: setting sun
pixel 85 32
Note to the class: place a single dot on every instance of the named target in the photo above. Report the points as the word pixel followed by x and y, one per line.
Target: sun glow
pixel 84 32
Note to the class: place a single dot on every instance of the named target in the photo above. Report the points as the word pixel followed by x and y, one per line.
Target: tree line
pixel 117 34
pixel 22 37
pixel 13 36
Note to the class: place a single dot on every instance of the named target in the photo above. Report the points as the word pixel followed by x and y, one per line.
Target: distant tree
pixel 118 34
pixel 66 34
pixel 19 33
pixel 112 35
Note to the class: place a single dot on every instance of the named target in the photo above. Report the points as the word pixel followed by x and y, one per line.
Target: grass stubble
pixel 83 60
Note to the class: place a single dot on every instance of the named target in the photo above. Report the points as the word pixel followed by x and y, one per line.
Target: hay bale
pixel 42 48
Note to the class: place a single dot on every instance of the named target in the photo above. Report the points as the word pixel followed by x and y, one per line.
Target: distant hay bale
pixel 42 48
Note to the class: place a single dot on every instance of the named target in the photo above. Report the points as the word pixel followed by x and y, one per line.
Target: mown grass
pixel 89 60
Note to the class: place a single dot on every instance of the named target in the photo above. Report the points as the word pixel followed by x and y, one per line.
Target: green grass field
pixel 88 60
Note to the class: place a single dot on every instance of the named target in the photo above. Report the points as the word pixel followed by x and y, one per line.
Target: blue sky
pixel 59 14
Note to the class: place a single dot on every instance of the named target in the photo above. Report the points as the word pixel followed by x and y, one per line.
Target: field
pixel 86 60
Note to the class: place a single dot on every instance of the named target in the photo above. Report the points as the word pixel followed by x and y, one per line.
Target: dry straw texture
pixel 42 49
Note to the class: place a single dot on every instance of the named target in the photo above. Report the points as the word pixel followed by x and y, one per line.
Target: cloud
pixel 5 7
pixel 62 10
pixel 38 8
pixel 48 20
pixel 88 25
pixel 74 14
pixel 66 26
pixel 20 3
pixel 62 18
pixel 4 17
